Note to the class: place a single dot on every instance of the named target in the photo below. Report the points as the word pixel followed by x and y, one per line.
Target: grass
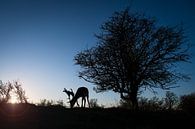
pixel 28 116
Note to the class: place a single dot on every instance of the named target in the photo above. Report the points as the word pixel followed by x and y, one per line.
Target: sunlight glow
pixel 13 99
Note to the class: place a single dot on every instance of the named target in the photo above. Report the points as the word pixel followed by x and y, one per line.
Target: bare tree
pixel 171 100
pixel 134 53
pixel 5 89
pixel 20 92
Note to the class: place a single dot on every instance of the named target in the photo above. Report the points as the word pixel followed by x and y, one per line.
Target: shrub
pixel 187 102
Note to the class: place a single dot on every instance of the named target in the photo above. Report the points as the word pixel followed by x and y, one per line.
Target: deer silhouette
pixel 81 92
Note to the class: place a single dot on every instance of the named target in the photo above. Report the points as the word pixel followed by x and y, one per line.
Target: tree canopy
pixel 134 52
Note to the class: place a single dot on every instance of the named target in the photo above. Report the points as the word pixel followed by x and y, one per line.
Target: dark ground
pixel 23 116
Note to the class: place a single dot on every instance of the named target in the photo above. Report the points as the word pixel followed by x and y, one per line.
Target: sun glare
pixel 13 99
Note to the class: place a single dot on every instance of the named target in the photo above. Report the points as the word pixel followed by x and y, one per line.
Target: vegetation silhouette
pixel 187 102
pixel 134 53
pixel 7 88
pixel 20 92
pixel 94 104
pixel 29 116
pixel 82 92
pixel 171 100
pixel 50 115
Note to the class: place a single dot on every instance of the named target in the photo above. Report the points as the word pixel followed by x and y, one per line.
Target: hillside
pixel 27 116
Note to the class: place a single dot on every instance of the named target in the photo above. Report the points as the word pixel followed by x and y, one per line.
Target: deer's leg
pixel 84 102
pixel 88 101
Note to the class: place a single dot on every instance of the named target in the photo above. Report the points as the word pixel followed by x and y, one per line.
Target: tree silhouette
pixel 171 100
pixel 20 92
pixel 134 52
pixel 5 89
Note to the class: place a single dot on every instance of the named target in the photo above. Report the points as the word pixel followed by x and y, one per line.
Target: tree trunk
pixel 133 97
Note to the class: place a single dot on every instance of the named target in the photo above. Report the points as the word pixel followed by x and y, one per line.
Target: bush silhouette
pixel 187 102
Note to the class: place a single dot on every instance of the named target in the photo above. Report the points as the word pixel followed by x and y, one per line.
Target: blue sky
pixel 39 39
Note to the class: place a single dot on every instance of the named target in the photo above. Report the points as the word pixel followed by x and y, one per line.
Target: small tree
pixel 8 89
pixel 171 100
pixel 134 52
pixel 93 103
pixel 20 92
pixel 5 89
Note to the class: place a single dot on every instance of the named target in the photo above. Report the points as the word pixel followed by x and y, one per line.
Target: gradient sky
pixel 39 39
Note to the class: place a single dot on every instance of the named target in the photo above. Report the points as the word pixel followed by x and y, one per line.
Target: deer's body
pixel 83 93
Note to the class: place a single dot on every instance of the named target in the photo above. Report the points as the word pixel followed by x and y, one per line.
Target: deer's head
pixel 72 102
